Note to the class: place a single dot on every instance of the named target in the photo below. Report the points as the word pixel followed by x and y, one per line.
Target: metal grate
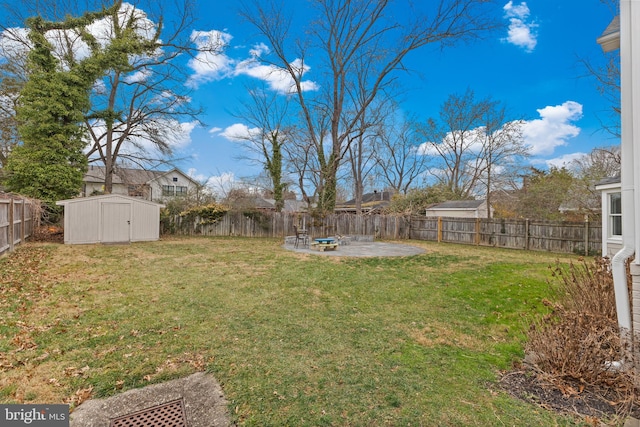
pixel 170 414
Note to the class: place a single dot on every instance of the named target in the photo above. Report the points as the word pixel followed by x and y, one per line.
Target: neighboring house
pixel 460 209
pixel 611 192
pixel 371 202
pixel 144 184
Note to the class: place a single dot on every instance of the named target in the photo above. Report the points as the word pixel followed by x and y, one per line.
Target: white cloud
pixel 564 160
pixel 239 132
pixel 14 42
pixel 176 134
pixel 138 77
pixel 521 31
pixel 277 78
pixel 211 63
pixel 259 49
pixel 553 128
pixel 222 184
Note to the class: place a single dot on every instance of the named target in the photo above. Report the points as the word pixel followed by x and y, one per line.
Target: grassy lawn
pixel 293 339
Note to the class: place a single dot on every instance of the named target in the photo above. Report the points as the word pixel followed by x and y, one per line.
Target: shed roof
pixel 107 197
pixel 458 204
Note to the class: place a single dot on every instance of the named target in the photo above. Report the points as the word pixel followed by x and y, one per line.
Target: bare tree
pixel 472 144
pixel 346 33
pixel 455 142
pixel 588 170
pixel 265 116
pixel 502 149
pixel 398 159
pixel 607 79
pixel 141 106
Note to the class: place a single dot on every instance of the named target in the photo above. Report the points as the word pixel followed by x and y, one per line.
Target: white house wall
pixel 182 181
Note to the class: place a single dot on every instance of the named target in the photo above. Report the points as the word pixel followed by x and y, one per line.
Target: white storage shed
pixel 111 218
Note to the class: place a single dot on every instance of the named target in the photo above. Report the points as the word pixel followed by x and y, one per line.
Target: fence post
pixel 24 220
pixel 526 234
pixel 439 229
pixel 11 234
pixel 477 231
pixel 586 235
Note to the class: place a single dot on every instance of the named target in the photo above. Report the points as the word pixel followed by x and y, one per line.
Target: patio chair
pixel 301 236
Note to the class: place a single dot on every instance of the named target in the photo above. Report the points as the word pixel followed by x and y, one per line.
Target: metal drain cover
pixel 170 414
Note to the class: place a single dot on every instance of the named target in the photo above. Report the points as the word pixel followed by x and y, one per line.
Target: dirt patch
pixel 595 405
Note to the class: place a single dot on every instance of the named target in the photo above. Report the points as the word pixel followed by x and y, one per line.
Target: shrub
pixel 575 344
pixel 202 215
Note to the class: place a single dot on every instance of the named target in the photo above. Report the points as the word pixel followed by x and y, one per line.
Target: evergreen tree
pixel 50 163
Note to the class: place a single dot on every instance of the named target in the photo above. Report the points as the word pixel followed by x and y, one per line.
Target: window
pixel 168 190
pixel 175 179
pixel 615 215
pixel 136 191
pixel 181 191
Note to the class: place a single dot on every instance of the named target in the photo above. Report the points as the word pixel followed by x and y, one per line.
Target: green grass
pixel 293 339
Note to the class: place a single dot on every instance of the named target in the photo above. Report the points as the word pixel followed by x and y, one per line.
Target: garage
pixel 111 218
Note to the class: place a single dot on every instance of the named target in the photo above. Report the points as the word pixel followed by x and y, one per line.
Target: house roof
pixel 610 38
pixel 370 201
pixel 128 176
pixel 609 181
pixel 371 197
pixel 458 204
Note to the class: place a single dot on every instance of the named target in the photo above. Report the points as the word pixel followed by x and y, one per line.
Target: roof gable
pixel 130 176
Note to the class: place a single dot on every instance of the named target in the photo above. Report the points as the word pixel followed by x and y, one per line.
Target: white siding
pixel 146 218
pixel 456 213
pixel 610 244
pixel 173 179
pixel 81 222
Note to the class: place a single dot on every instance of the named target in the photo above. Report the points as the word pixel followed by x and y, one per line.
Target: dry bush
pixel 573 347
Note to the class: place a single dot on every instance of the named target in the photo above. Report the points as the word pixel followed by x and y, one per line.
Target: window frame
pixel 168 190
pixel 614 219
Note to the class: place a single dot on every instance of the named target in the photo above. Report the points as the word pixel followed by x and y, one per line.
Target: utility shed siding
pixel 110 219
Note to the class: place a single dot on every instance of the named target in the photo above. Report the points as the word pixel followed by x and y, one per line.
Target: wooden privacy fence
pixel 272 224
pixel 553 236
pixel 16 222
pixel 569 237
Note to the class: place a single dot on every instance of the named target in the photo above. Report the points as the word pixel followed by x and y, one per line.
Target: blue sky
pixel 532 65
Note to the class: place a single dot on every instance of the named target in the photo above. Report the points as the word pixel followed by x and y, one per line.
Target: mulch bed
pixel 586 402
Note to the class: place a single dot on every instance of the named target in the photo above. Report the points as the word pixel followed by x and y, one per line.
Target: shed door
pixel 116 222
